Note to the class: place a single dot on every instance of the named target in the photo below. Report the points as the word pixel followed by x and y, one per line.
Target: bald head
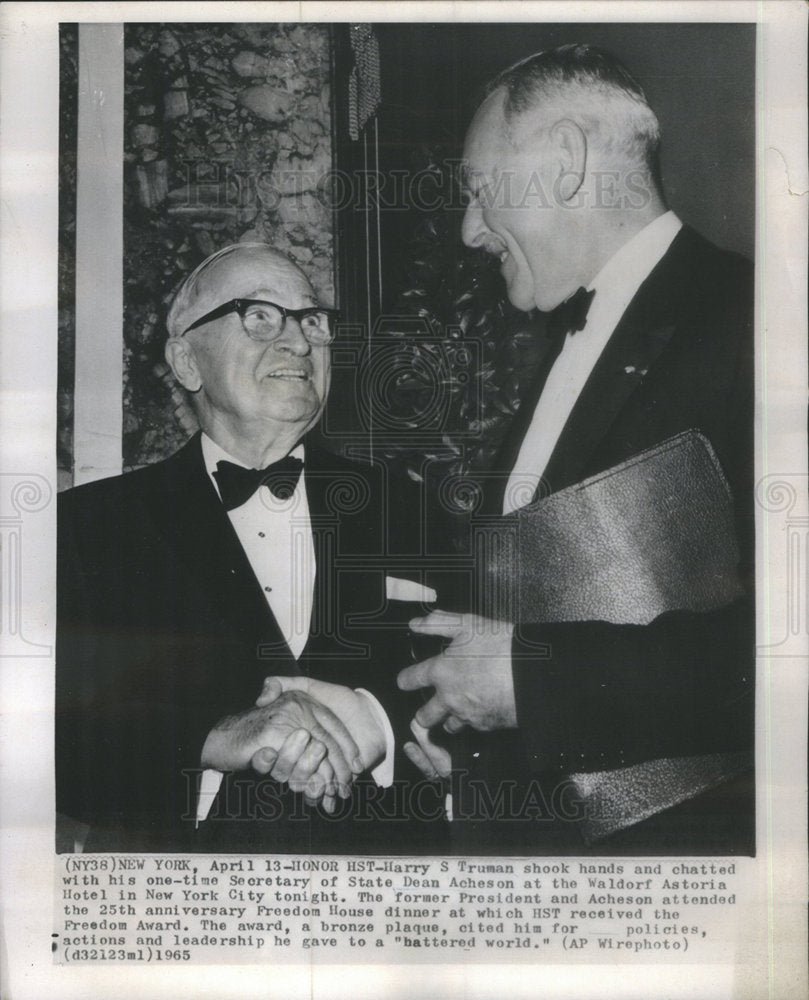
pixel 560 170
pixel 235 272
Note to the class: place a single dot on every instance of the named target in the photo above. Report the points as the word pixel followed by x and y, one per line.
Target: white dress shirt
pixel 615 286
pixel 276 536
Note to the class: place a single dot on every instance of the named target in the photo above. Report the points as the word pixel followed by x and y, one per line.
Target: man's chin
pixel 521 298
pixel 302 411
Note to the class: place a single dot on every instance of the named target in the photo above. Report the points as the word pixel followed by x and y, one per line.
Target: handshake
pixel 319 737
pixel 315 736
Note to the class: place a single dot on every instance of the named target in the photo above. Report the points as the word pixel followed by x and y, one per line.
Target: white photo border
pixel 777 939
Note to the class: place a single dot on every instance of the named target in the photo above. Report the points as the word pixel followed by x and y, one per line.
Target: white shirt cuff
pixel 208 790
pixel 383 772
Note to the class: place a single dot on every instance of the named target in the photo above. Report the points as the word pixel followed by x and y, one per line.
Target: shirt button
pixel 261 534
pixel 268 589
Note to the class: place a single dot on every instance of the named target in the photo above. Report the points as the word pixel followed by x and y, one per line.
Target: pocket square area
pixel 397 589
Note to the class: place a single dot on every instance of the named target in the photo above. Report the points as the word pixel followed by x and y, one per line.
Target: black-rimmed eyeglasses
pixel 264 321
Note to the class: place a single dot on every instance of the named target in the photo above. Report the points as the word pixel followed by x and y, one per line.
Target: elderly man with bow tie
pixel 250 553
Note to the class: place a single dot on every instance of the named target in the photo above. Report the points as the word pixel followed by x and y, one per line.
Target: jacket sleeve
pixel 595 695
pixel 127 748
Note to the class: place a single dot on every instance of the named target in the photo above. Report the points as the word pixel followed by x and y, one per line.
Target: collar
pixel 213 453
pixel 623 274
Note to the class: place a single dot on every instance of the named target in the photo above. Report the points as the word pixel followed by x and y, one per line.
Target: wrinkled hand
pixel 472 676
pixel 302 763
pixel 292 737
pixel 353 710
pixel 432 760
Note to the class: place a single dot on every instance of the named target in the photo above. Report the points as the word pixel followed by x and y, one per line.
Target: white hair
pixel 192 286
pixel 590 87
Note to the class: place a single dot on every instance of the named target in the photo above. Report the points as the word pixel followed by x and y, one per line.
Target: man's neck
pixel 608 231
pixel 255 450
pixel 618 232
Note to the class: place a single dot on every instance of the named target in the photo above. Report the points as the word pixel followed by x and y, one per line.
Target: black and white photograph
pixel 543 372
pixel 425 507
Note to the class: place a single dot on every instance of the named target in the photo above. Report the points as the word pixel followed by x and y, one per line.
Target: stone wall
pixel 68 125
pixel 227 139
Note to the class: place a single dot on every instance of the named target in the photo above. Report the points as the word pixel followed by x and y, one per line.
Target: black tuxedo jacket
pixel 593 695
pixel 163 629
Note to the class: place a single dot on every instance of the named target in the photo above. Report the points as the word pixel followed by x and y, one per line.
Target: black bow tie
pixel 237 484
pixel 570 316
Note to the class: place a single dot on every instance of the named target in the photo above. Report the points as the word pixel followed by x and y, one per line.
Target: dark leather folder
pixel 651 535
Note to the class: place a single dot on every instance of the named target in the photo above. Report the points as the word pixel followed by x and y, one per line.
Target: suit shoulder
pixel 729 269
pixel 709 292
pixel 718 273
pixel 115 499
pixel 113 488
pixel 379 472
pixel 321 458
pixel 366 485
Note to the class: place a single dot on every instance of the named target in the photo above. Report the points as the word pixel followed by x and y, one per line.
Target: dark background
pixel 409 261
pixel 699 79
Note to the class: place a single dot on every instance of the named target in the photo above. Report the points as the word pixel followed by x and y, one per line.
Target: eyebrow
pixel 273 296
pixel 476 182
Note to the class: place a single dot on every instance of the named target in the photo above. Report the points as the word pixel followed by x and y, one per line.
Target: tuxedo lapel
pixel 208 551
pixel 345 518
pixel 637 343
pixel 494 483
pixel 344 515
pixel 324 539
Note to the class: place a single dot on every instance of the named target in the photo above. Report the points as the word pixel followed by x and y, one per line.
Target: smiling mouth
pixel 497 248
pixel 290 374
pixel 503 257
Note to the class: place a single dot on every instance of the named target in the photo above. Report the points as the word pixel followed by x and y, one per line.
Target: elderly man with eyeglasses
pixel 250 554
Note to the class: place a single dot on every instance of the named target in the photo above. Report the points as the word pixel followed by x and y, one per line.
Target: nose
pixel 473 229
pixel 291 339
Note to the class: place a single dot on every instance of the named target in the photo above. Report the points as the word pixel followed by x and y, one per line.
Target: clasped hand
pixel 318 737
pixel 301 732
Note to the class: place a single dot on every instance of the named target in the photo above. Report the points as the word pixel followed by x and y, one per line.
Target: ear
pixel 570 146
pixel 181 360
